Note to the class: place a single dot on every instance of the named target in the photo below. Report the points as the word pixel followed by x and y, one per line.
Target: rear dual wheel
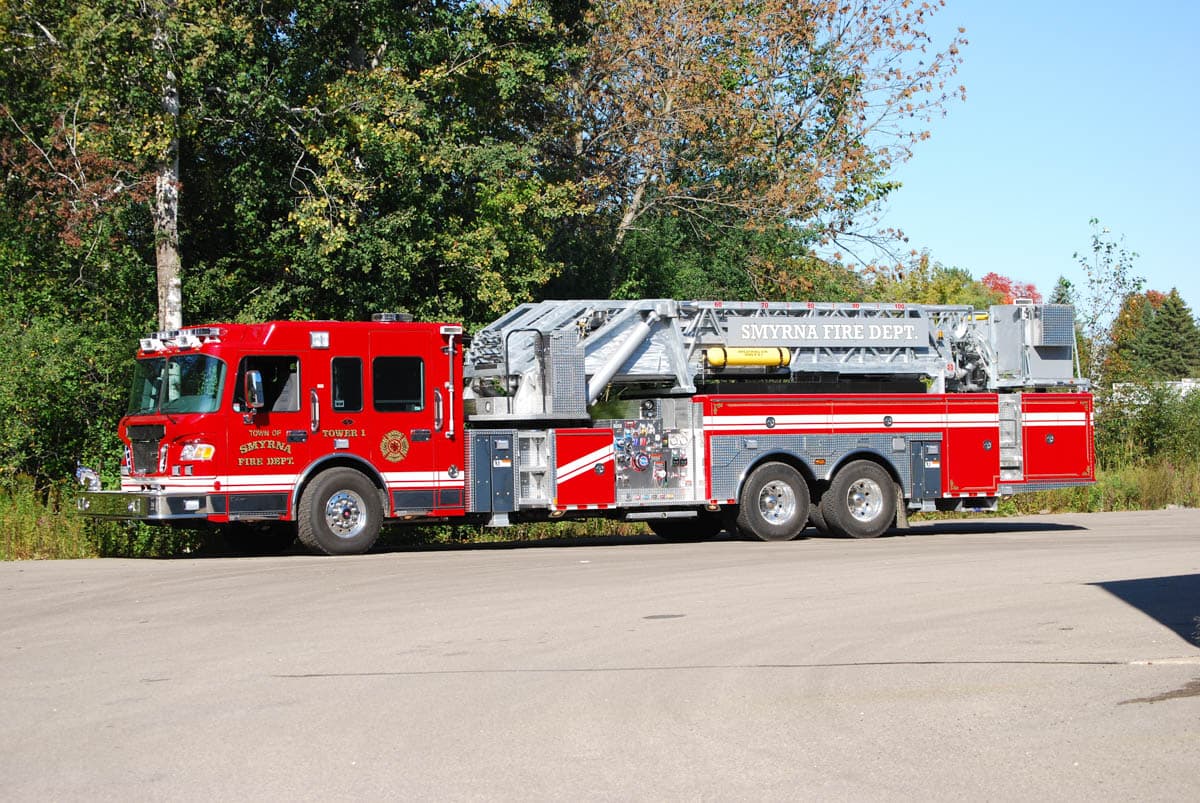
pixel 860 502
pixel 774 504
pixel 817 519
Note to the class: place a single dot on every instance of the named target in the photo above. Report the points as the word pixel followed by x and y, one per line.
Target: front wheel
pixel 340 513
pixel 860 502
pixel 774 503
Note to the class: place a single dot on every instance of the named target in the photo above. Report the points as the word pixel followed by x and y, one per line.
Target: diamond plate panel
pixel 567 382
pixel 732 455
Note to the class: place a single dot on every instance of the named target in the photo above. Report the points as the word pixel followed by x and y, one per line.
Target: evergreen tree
pixel 1063 292
pixel 1125 359
pixel 1169 347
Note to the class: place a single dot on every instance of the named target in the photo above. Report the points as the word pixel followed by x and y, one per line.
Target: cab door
pixel 270 444
pixel 412 430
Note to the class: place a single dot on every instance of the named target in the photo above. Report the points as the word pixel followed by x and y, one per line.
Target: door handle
pixel 437 410
pixel 314 411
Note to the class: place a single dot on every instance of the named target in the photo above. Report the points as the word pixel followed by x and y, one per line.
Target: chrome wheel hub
pixel 777 502
pixel 345 514
pixel 864 500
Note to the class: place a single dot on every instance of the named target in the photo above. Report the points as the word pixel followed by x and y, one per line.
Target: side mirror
pixel 255 398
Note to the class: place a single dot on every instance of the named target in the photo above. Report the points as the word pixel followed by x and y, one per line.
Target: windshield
pixel 189 383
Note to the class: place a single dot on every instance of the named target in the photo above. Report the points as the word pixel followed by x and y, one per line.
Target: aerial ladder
pixel 551 360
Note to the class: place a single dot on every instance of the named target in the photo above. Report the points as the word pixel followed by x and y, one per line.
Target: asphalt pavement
pixel 1051 656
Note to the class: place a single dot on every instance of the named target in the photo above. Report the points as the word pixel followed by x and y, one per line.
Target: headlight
pixel 194 452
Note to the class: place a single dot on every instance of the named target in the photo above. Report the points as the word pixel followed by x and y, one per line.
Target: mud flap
pixel 901 509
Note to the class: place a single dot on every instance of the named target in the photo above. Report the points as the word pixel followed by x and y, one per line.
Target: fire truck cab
pixel 244 426
pixel 758 417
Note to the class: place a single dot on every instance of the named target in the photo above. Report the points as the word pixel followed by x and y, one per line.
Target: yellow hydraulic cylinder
pixel 765 357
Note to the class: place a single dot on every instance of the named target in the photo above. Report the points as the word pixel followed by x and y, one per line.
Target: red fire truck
pixel 762 418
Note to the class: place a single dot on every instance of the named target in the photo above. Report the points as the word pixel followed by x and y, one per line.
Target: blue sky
pixel 1074 110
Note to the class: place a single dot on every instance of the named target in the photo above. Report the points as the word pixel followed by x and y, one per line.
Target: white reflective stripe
pixel 577 472
pixel 423 479
pixel 246 483
pixel 582 465
pixel 243 483
pixel 189 484
pixel 228 483
pixel 258 479
pixel 843 418
pixel 786 423
pixel 711 421
pixel 1055 419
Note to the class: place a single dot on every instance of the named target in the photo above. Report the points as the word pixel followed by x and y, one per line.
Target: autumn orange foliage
pixel 1011 289
pixel 761 113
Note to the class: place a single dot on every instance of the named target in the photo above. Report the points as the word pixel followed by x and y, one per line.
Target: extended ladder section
pixel 552 359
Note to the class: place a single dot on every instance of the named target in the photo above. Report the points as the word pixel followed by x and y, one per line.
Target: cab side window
pixel 281 382
pixel 398 384
pixel 347 384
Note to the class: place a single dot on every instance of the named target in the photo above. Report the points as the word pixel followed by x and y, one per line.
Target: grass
pixel 43 525
pixel 40 524
pixel 34 526
pixel 1151 486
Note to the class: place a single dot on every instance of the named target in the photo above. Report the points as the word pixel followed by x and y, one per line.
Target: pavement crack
pixel 679 668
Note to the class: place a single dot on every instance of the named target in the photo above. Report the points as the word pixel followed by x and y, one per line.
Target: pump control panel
pixel 653 461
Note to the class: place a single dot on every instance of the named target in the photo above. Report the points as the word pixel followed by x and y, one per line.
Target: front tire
pixel 860 502
pixel 774 503
pixel 340 513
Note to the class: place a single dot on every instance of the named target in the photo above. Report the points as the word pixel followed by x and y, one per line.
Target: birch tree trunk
pixel 166 195
pixel 166 246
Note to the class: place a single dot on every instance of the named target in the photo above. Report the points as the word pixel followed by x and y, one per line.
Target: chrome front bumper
pixel 143 505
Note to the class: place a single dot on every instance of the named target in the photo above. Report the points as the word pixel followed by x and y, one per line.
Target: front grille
pixel 145 456
pixel 143 446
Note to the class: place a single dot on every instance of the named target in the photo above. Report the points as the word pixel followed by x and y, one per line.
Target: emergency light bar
pixel 181 338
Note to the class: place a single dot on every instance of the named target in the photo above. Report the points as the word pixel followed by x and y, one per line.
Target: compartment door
pixel 1059 441
pixel 971 451
pixel 584 469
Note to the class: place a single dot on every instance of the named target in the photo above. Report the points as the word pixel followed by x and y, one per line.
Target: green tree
pixel 334 159
pixel 925 281
pixel 110 95
pixel 758 115
pixel 1170 342
pixel 1109 270
pixel 75 241
pixel 676 257
pixel 429 171
pixel 1125 360
pixel 1063 292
